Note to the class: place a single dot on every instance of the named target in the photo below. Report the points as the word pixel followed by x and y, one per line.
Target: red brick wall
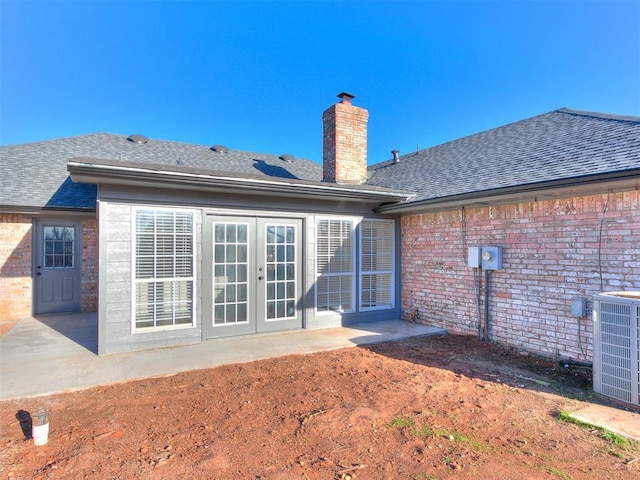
pixel 15 267
pixel 553 251
pixel 89 266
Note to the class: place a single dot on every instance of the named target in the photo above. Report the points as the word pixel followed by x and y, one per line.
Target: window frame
pixel 214 278
pixel 64 254
pixel 287 262
pixel 391 272
pixel 353 272
pixel 155 280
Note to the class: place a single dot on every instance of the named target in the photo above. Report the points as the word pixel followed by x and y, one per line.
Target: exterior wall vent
pixel 616 346
pixel 136 138
pixel 220 149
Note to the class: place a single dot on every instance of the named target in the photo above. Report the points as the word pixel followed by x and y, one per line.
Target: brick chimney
pixel 344 142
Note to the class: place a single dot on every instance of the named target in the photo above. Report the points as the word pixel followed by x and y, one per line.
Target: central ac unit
pixel 616 346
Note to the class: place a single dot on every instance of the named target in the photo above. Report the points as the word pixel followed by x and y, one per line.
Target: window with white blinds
pixel 376 263
pixel 335 265
pixel 164 269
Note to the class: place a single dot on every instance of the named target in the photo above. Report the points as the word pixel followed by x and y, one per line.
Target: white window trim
pixel 134 280
pixel 362 272
pixel 354 230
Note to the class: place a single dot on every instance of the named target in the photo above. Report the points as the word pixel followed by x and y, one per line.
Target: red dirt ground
pixel 425 408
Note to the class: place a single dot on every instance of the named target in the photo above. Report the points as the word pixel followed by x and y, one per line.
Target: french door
pixel 252 275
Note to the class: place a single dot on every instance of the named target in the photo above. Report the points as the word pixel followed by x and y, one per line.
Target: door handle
pixel 261 277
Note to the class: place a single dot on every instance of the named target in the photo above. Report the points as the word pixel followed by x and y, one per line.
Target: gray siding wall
pixel 115 220
pixel 116 288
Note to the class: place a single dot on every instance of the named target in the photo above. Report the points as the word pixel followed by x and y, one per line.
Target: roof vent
pixel 396 155
pixel 220 149
pixel 139 139
pixel 286 157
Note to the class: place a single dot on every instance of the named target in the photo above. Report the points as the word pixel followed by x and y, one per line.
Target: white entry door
pixel 253 275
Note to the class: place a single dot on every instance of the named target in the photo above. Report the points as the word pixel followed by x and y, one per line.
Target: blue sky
pixel 256 76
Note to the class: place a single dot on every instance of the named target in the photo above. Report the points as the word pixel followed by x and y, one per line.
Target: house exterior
pixel 559 193
pixel 172 243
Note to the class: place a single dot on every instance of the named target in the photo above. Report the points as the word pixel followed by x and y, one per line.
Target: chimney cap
pixel 346 97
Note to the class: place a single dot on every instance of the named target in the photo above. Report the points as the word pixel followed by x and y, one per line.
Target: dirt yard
pixel 426 408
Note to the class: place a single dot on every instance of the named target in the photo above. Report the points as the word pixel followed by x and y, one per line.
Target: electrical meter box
pixel 492 258
pixel 474 257
pixel 579 307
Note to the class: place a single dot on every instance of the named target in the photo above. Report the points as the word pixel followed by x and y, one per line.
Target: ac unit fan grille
pixel 617 362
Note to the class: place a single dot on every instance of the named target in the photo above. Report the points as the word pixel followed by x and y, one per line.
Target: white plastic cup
pixel 40 427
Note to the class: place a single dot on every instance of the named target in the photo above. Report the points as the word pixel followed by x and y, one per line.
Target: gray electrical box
pixel 474 257
pixel 492 258
pixel 579 307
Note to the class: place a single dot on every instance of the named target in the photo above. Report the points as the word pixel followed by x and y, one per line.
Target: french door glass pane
pixel 219 233
pixel 241 293
pixel 241 312
pixel 230 281
pixel 280 266
pixel 219 314
pixel 242 234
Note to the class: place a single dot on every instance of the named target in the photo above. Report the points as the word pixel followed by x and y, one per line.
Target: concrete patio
pixel 57 353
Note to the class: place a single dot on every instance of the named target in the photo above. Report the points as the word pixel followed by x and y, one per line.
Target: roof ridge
pixel 604 116
pixel 59 139
pixel 157 141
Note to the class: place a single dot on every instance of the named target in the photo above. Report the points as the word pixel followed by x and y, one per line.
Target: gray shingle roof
pixel 561 144
pixel 35 174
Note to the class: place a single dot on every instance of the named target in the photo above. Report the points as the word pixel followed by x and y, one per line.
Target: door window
pixel 58 247
pixel 281 271
pixel 57 264
pixel 230 278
